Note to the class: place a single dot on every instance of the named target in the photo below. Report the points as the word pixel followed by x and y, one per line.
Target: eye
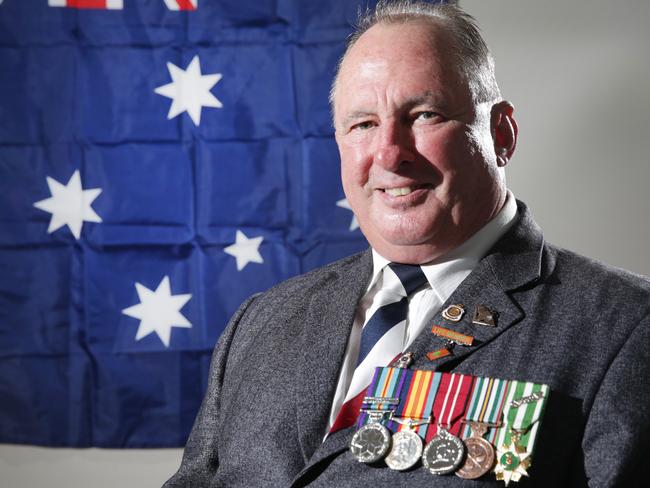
pixel 365 125
pixel 427 115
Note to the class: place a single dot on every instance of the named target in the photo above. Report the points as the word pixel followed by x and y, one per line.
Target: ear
pixel 504 131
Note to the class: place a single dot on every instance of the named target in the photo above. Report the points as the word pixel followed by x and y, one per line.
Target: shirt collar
pixel 447 272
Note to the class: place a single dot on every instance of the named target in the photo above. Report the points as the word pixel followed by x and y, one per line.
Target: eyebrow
pixel 356 115
pixel 426 98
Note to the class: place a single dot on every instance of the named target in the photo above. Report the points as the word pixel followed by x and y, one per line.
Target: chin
pixel 408 231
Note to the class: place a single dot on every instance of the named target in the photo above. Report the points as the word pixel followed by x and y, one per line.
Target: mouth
pixel 403 191
pixel 398 192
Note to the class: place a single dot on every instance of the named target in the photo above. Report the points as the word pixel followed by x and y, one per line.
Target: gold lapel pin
pixel 454 312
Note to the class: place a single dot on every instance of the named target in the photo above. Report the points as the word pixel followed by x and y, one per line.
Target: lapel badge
pixel 484 316
pixel 454 312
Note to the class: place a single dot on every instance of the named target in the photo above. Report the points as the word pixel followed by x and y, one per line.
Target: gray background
pixel 578 74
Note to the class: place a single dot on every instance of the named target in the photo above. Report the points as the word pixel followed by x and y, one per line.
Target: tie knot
pixel 410 275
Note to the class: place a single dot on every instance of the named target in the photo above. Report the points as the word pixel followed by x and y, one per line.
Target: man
pixel 423 136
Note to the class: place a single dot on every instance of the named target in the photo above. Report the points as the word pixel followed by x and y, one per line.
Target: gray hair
pixel 471 51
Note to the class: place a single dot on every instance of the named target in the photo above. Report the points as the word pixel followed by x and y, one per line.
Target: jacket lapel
pixel 327 327
pixel 514 263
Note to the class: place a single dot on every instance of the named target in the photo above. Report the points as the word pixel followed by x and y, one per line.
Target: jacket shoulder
pixel 592 278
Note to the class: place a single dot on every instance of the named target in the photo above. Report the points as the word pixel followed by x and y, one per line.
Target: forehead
pixel 399 57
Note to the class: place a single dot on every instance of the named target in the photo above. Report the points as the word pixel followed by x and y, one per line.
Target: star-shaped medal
pixel 513 460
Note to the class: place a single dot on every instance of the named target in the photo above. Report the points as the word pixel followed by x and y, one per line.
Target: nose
pixel 394 146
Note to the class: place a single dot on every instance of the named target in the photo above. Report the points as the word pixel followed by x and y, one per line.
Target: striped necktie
pixel 381 340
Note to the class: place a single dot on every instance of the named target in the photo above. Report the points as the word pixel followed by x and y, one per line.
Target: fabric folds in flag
pixel 160 162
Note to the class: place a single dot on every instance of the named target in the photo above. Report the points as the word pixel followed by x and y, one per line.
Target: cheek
pixel 354 166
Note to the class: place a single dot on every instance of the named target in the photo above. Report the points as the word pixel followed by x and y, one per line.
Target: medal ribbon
pixel 523 415
pixel 450 403
pixel 387 382
pixel 416 400
pixel 486 404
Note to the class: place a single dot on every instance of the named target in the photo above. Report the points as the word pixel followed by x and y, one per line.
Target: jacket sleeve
pixel 617 434
pixel 201 457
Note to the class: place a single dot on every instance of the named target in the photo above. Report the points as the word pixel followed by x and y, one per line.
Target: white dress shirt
pixel 444 275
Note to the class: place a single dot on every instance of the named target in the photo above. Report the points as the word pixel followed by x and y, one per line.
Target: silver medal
pixel 370 443
pixel 406 450
pixel 444 453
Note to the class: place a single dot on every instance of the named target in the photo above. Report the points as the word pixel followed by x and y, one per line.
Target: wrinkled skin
pixel 420 160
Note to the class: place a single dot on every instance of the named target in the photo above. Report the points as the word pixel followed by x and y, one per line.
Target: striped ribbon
pixel 486 404
pixel 386 382
pixel 416 400
pixel 523 417
pixel 450 403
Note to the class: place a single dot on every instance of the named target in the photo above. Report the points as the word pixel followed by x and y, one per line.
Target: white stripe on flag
pixel 115 4
pixel 56 3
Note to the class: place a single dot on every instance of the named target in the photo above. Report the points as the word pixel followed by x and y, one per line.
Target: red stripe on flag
pixel 86 3
pixel 185 5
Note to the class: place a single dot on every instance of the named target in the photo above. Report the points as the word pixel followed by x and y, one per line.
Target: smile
pixel 398 192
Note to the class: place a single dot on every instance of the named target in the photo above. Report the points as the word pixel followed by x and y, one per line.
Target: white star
pixel 189 90
pixel 245 250
pixel 354 223
pixel 69 205
pixel 158 311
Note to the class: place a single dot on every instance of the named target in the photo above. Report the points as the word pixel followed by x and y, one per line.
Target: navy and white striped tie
pixel 381 342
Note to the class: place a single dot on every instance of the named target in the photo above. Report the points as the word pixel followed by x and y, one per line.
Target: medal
pixel 480 455
pixel 513 462
pixel 485 409
pixel 370 443
pixel 412 418
pixel 372 440
pixel 444 452
pixel 405 451
pixel 516 441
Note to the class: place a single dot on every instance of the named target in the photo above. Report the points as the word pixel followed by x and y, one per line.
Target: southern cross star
pixel 189 90
pixel 245 250
pixel 69 205
pixel 158 311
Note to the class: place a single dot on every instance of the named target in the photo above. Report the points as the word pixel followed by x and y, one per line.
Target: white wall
pixel 578 74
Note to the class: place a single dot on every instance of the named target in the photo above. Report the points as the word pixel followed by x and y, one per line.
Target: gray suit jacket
pixel 576 325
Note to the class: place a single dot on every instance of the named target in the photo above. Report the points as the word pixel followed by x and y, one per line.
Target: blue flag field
pixel 160 161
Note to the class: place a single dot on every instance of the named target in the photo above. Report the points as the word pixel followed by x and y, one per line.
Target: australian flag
pixel 160 161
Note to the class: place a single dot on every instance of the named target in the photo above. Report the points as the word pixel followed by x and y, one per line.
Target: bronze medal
pixel 480 455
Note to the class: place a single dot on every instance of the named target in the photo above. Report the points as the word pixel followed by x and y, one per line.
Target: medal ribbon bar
pixel 450 403
pixel 387 383
pixel 524 418
pixel 486 404
pixel 416 399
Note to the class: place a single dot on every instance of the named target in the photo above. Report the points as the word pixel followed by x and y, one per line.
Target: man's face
pixel 418 160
